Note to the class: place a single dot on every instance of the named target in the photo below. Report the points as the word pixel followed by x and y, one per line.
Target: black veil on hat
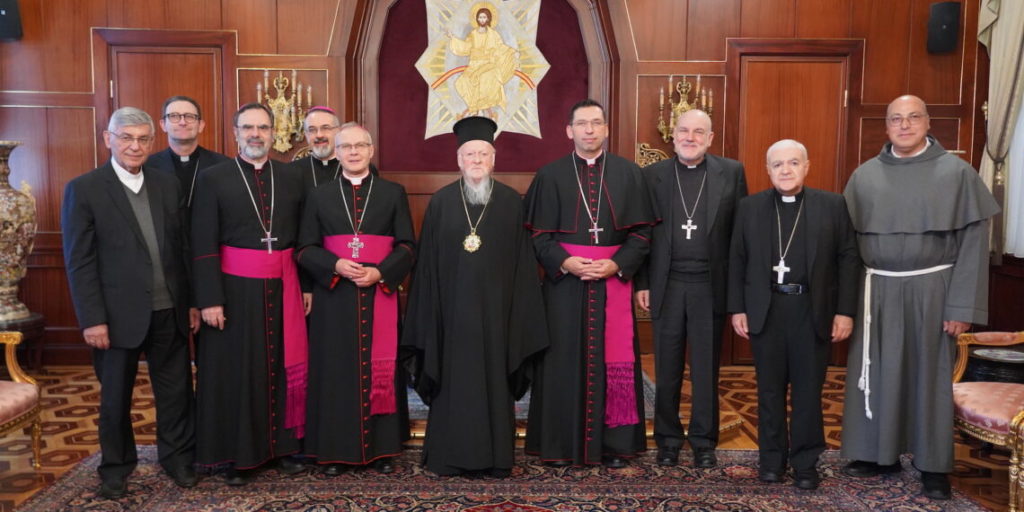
pixel 475 128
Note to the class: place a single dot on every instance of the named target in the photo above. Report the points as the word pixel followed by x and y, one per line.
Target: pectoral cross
pixel 268 240
pixel 688 227
pixel 781 270
pixel 594 231
pixel 355 245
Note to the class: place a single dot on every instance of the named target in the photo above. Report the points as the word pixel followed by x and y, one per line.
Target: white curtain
pixel 1001 29
pixel 1014 209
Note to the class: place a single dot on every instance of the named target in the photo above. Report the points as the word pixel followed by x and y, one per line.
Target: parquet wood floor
pixel 71 402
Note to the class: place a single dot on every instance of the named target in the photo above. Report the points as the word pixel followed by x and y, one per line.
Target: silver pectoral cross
pixel 268 240
pixel 781 270
pixel 355 245
pixel 594 231
pixel 689 227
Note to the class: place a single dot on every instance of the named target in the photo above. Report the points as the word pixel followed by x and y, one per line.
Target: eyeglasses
pixel 313 130
pixel 175 117
pixel 358 145
pixel 250 127
pixel 914 119
pixel 126 140
pixel 596 123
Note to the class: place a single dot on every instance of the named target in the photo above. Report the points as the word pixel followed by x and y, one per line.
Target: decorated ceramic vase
pixel 17 230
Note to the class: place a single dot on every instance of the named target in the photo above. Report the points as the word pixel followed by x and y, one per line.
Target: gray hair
pixel 129 116
pixel 785 143
pixel 353 124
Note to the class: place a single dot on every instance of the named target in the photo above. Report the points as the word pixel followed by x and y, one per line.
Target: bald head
pixel 907 125
pixel 785 144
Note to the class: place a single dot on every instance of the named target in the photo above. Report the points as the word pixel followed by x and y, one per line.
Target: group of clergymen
pixel 288 274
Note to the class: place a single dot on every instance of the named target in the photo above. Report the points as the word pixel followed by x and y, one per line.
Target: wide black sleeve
pixel 528 333
pixel 637 246
pixel 642 278
pixel 422 335
pixel 207 280
pixel 540 199
pixel 78 225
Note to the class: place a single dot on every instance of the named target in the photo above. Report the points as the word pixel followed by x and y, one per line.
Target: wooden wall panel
pixel 165 14
pixel 709 22
pixel 297 20
pixel 54 54
pixel 767 18
pixel 823 18
pixel 935 78
pixel 77 155
pixel 884 25
pixel 255 21
pixel 657 30
pixel 29 160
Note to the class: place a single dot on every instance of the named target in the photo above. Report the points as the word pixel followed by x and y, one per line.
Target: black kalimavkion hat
pixel 475 128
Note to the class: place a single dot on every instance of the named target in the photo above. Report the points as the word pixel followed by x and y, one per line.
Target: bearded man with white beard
pixel 475 324
pixel 251 392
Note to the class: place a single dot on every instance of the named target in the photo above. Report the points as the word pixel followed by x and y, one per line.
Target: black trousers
pixel 687 321
pixel 788 354
pixel 171 377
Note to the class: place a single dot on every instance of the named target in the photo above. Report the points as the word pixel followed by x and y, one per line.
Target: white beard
pixel 322 154
pixel 478 193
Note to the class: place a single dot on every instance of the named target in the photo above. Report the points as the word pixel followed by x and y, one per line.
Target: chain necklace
pixel 312 170
pixel 472 242
pixel 192 187
pixel 269 225
pixel 355 244
pixel 781 268
pixel 689 226
pixel 594 219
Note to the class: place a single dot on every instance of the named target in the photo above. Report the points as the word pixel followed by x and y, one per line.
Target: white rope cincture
pixel 864 382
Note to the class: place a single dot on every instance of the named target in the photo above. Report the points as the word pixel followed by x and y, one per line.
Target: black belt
pixel 789 289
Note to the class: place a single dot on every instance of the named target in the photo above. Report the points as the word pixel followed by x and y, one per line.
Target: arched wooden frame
pixel 364 52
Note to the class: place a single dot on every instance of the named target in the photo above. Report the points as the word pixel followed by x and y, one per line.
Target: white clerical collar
pixel 928 143
pixel 788 199
pixel 357 180
pixel 324 161
pixel 184 158
pixel 132 181
pixel 255 165
pixel 591 161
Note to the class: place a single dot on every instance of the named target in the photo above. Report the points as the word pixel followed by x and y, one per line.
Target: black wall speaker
pixel 10 21
pixel 943 25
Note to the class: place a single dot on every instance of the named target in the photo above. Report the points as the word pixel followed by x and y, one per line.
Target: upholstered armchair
pixel 19 397
pixel 992 411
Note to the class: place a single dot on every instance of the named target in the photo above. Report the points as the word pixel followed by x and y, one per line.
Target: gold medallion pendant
pixel 472 242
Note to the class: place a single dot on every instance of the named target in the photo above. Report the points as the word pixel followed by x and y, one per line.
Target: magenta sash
pixel 384 350
pixel 257 264
pixel 619 359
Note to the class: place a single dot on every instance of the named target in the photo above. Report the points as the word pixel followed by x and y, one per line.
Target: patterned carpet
pixel 70 396
pixel 643 486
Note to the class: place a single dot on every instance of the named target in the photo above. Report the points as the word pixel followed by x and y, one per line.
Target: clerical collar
pixel 699 167
pixel 799 196
pixel 257 167
pixel 323 162
pixel 184 158
pixel 132 181
pixel 590 161
pixel 927 144
pixel 357 180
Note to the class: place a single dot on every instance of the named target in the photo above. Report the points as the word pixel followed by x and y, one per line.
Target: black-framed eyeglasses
pixel 175 117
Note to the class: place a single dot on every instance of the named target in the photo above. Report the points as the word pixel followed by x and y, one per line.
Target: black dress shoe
pixel 807 480
pixel 383 466
pixel 867 469
pixel 769 476
pixel 704 458
pixel 234 477
pixel 613 462
pixel 184 476
pixel 935 485
pixel 333 469
pixel 500 472
pixel 668 456
pixel 290 466
pixel 558 463
pixel 113 488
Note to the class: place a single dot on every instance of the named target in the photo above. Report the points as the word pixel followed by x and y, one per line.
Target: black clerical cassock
pixel 251 387
pixel 587 399
pixel 356 409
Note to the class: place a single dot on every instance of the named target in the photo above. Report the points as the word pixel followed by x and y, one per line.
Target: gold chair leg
pixel 37 442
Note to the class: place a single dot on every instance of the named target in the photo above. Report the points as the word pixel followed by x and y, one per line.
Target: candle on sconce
pixel 309 95
pixel 294 80
pixel 698 84
pixel 704 100
pixel 711 99
pixel 266 80
pixel 259 92
pixel 661 97
pixel 297 92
